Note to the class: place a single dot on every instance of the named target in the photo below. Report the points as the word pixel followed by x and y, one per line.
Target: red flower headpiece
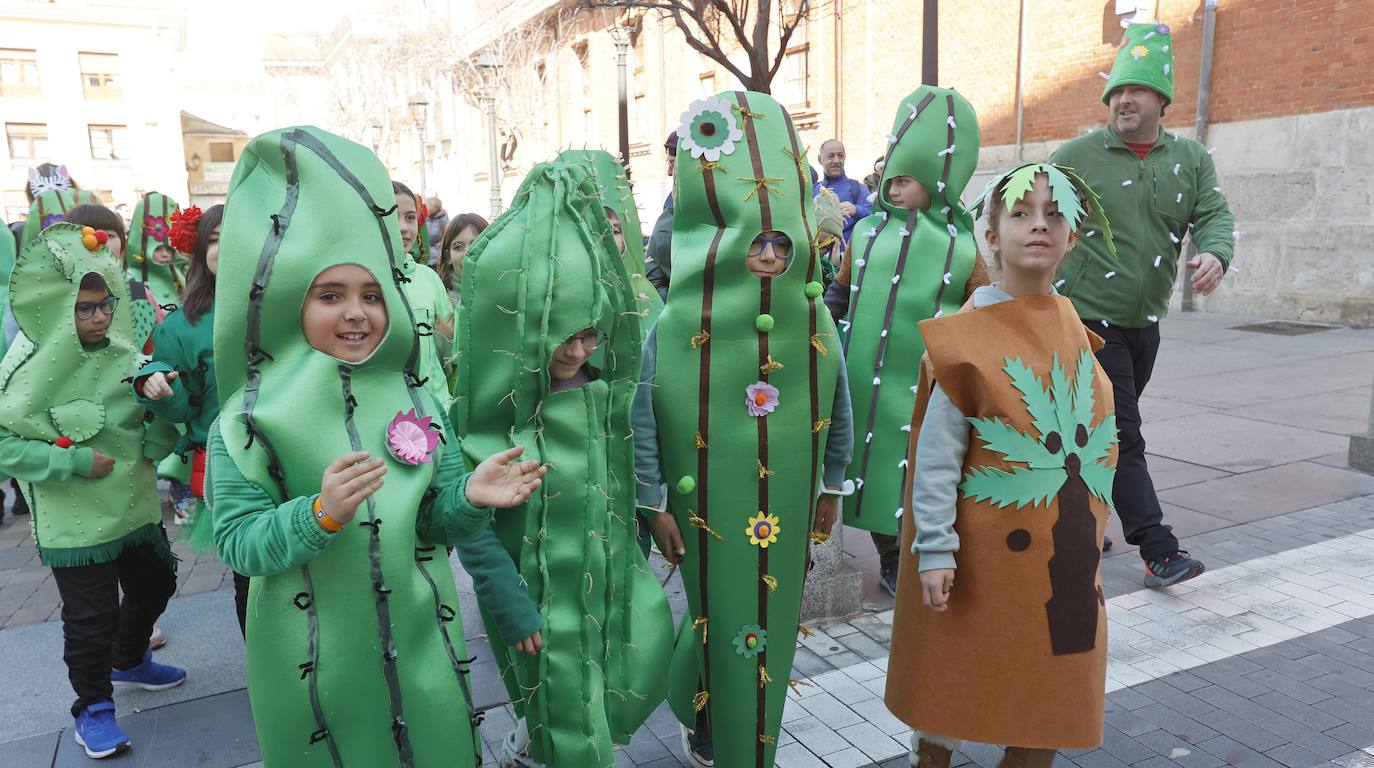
pixel 422 210
pixel 183 234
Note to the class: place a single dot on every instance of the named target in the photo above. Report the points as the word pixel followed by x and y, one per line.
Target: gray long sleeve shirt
pixel 839 444
pixel 940 451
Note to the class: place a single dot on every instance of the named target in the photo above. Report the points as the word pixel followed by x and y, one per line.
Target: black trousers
pixel 1128 357
pixel 99 630
pixel 241 602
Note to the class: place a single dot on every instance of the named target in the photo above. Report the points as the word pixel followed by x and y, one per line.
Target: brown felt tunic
pixel 984 670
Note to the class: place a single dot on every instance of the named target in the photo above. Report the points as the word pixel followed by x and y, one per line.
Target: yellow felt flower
pixel 763 530
pixel 1139 52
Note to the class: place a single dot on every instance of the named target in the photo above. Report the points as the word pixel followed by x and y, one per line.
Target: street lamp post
pixel 420 106
pixel 492 68
pixel 621 36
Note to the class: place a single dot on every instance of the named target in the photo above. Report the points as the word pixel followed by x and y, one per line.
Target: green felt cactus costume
pixel 151 224
pixel 545 270
pixel 745 379
pixel 618 195
pixel 91 408
pixel 909 265
pixel 6 267
pixel 48 208
pixel 430 305
pixel 356 656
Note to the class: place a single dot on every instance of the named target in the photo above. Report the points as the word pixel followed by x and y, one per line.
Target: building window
pixel 18 72
pixel 109 142
pixel 794 77
pixel 221 151
pixel 27 141
pixel 100 75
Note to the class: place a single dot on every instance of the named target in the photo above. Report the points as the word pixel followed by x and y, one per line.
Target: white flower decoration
pixel 709 129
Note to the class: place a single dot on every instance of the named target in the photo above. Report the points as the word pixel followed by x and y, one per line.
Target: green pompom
pixel 764 323
pixel 814 289
pixel 687 484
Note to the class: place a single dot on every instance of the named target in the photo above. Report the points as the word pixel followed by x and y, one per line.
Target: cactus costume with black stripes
pixel 909 265
pixel 545 270
pixel 742 470
pixel 356 657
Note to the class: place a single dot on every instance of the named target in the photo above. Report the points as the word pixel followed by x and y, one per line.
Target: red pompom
pixel 64 442
pixel 102 237
pixel 183 234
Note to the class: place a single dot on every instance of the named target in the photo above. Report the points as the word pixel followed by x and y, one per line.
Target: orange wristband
pixel 325 521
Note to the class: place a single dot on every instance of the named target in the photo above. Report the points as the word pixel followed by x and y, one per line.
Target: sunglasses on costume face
pixel 85 310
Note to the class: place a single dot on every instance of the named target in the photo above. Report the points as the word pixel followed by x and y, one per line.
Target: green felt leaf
pixel 1100 441
pixel 1083 389
pixel 1099 479
pixel 1033 394
pixel 1064 195
pixel 1062 394
pixel 1019 182
pixel 1021 486
pixel 1099 216
pixel 1014 444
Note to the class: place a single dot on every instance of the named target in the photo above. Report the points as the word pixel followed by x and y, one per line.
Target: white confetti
pixel 871 233
pixel 896 279
pixel 1179 197
pixel 946 151
pixel 1165 48
pixel 950 122
pixel 1233 269
pixel 1110 275
pixel 906 427
pixel 1235 234
pixel 1166 69
pixel 899 511
pixel 1104 324
pixel 1127 183
pixel 1174 237
pixel 882 215
pixel 1147 36
pixel 884 333
pixel 913 389
pixel 1152 318
pixel 1211 150
pixel 1216 189
pixel 953 231
pixel 1104 75
pixel 860 262
pixel 1090 233
pixel 869 438
pixel 1176 167
pixel 1178 752
pixel 1059 283
pixel 947 278
pixel 944 211
pixel 1157 260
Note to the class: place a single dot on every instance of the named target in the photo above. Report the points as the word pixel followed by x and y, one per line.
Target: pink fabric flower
pixel 761 398
pixel 156 228
pixel 411 439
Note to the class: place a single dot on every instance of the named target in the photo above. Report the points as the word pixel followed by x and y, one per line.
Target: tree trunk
pixel 1073 605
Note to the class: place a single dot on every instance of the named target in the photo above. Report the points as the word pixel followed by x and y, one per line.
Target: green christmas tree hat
pixel 1146 57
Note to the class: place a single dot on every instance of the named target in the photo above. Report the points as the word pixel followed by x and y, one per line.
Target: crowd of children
pixel 342 417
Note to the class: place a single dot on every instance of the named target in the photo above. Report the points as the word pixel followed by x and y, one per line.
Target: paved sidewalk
pixel 1265 661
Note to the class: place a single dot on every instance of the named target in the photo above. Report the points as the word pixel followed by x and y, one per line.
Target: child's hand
pixel 827 512
pixel 347 482
pixel 935 588
pixel 159 385
pixel 501 482
pixel 102 466
pixel 531 644
pixel 663 527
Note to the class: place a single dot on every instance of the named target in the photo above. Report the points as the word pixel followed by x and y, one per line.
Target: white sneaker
pixel 698 755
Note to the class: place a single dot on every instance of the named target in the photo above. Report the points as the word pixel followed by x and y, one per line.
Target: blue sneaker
pixel 98 733
pixel 148 675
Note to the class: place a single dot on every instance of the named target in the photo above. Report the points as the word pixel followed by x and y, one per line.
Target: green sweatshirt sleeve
pixel 35 461
pixel 177 408
pixel 446 516
pixel 1213 225
pixel 648 466
pixel 253 535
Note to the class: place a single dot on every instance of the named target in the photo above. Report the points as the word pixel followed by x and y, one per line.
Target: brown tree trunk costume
pixel 1020 655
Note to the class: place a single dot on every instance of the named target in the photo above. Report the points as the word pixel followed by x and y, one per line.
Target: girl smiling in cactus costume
pixel 1016 654
pixel 560 384
pixel 335 478
pixel 743 404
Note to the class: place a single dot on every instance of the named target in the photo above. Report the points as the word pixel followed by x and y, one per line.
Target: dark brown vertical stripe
pixel 756 160
pixel 703 420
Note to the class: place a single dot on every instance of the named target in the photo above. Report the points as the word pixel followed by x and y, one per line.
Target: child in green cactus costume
pixel 559 380
pixel 425 291
pixel 151 257
pixel 743 402
pixel 355 649
pixel 82 449
pixel 619 198
pixel 48 208
pixel 913 259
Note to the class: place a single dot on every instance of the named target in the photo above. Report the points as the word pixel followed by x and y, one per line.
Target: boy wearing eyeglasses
pixel 70 432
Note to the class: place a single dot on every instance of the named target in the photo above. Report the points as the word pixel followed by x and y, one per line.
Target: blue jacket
pixel 849 191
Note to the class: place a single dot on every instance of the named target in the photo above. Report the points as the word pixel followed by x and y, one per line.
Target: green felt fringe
pixel 72 557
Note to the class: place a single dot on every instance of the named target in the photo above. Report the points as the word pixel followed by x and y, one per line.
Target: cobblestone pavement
pixel 1266 660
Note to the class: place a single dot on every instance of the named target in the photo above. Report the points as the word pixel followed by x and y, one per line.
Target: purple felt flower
pixel 411 439
pixel 156 228
pixel 761 398
pixel 1161 29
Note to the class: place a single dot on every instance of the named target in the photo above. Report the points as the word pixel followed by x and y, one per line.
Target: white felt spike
pixel 1166 69
pixel 858 482
pixel 845 324
pixel 854 288
pixel 947 278
pixel 871 233
pixel 1157 260
pixel 1059 283
pixel 896 279
pixel 1165 48
pixel 891 139
pixel 884 333
pixel 1152 318
pixel 1147 36
pixel 950 122
pixel 877 381
pixel 882 215
pixel 902 464
pixel 946 151
pixel 1127 183
pixel 944 211
pixel 1176 167
pixel 1179 198
pixel 869 438
pixel 860 262
pixel 1174 237
pixel 904 232
pixel 938 312
pixel 1110 275
pixel 900 511
pixel 906 427
pixel 953 230
pixel 940 186
pixel 913 390
pixel 912 107
pixel 1104 75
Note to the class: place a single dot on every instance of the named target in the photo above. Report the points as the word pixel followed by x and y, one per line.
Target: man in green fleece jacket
pixel 1156 189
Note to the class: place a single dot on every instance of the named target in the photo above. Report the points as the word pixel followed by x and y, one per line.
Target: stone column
pixel 1362 446
pixel 834 588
